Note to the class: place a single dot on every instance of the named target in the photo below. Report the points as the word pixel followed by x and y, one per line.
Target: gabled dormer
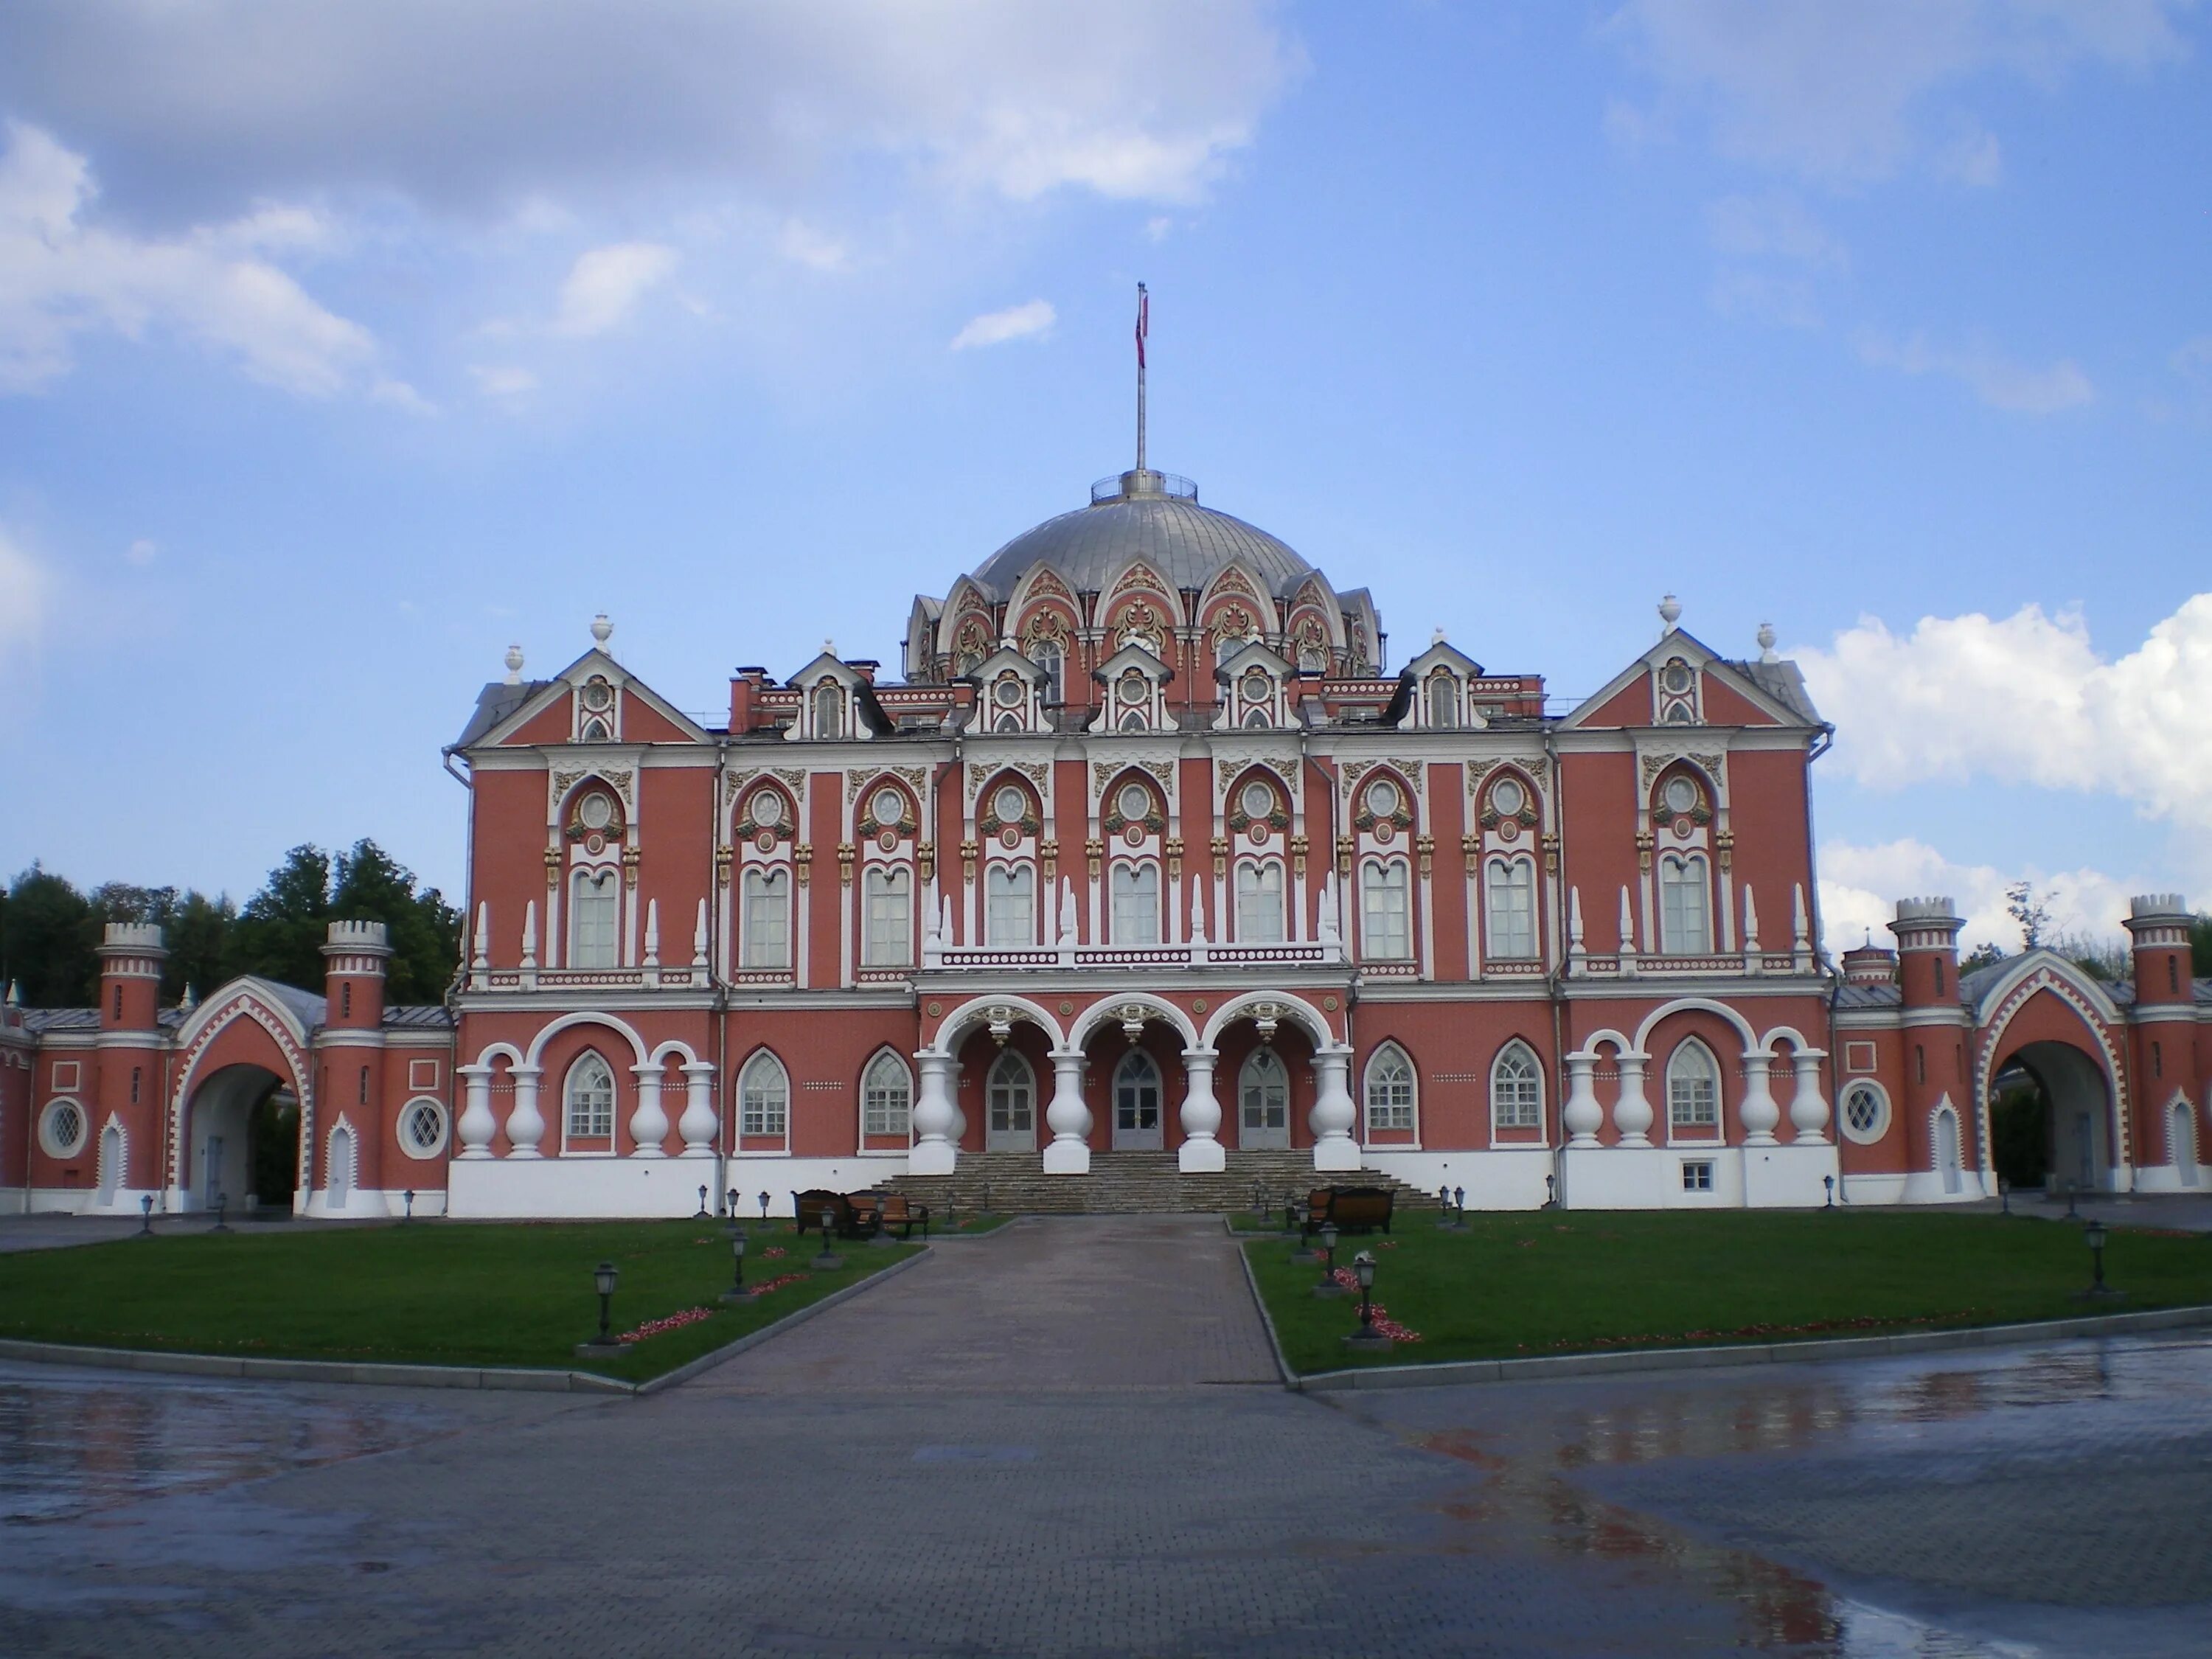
pixel 836 703
pixel 1682 682
pixel 1437 680
pixel 1011 692
pixel 1256 689
pixel 594 702
pixel 1135 692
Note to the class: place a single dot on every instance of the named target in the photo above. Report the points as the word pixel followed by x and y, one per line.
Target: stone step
pixel 1129 1183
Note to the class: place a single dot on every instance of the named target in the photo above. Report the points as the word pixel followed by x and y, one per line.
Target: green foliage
pixel 49 945
pixel 2018 1137
pixel 1982 956
pixel 279 933
pixel 2200 945
pixel 425 930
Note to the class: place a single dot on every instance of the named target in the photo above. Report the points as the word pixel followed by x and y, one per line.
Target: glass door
pixel 1263 1093
pixel 1010 1106
pixel 1136 1103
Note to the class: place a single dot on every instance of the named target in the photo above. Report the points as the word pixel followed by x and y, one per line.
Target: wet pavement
pixel 893 1487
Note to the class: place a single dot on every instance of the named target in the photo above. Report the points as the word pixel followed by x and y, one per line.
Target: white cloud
pixel 401 396
pixel 61 275
pixel 1996 380
pixel 1831 90
pixel 1015 323
pixel 24 587
pixel 502 380
pixel 495 103
pixel 803 245
pixel 605 284
pixel 2026 698
pixel 1158 227
pixel 1776 225
pixel 142 552
pixel 1860 887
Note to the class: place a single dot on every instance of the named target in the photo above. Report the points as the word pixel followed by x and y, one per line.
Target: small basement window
pixel 1697 1175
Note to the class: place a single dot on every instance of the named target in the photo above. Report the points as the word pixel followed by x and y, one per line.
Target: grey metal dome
pixel 1152 515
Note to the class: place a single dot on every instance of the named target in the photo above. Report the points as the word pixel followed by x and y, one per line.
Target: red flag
pixel 1144 321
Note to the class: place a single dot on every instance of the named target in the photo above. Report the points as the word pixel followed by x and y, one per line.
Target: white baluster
pixel 648 1124
pixel 1582 1117
pixel 477 1125
pixel 699 1125
pixel 934 1114
pixel 1067 1117
pixel 1627 936
pixel 1631 1113
pixel 1333 1111
pixel 525 1127
pixel 1808 1108
pixel 1200 1152
pixel 1759 1113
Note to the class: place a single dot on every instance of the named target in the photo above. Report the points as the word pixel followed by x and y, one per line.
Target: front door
pixel 1263 1094
pixel 1136 1103
pixel 1010 1106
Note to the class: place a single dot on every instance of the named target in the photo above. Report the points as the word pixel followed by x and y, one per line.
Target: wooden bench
pixel 1353 1209
pixel 848 1220
pixel 894 1210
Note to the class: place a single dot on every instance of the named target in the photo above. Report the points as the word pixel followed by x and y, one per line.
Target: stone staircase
pixel 1121 1183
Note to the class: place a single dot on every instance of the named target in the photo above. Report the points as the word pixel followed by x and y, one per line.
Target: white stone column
pixel 1333 1111
pixel 1759 1113
pixel 525 1127
pixel 1631 1113
pixel 1582 1117
pixel 1200 1152
pixel 478 1126
pixel 699 1125
pixel 1809 1109
pixel 1068 1117
pixel 935 1151
pixel 648 1124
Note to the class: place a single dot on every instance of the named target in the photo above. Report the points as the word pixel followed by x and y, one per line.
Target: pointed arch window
pixel 1389 1091
pixel 589 1094
pixel 886 1096
pixel 1693 1090
pixel 1009 906
pixel 593 907
pixel 1136 894
pixel 1686 907
pixel 1444 700
pixel 888 942
pixel 1510 892
pixel 1517 1089
pixel 767 938
pixel 828 710
pixel 1386 932
pixel 1259 902
pixel 1046 654
pixel 763 1097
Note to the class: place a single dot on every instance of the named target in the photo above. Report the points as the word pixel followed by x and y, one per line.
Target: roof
pixel 494 704
pixel 61 1019
pixel 1781 681
pixel 1868 996
pixel 1188 543
pixel 429 1016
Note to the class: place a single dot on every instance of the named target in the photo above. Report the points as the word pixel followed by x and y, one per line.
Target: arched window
pixel 1517 1089
pixel 590 1096
pixel 1259 902
pixel 1257 717
pixel 1510 889
pixel 1389 1091
pixel 1010 1105
pixel 828 710
pixel 595 729
pixel 1444 700
pixel 763 1097
pixel 1136 904
pixel 767 941
pixel 1263 1100
pixel 886 1096
pixel 1693 1090
pixel 1009 906
pixel 1386 933
pixel 889 941
pixel 1136 1101
pixel 1046 654
pixel 593 941
pixel 1686 910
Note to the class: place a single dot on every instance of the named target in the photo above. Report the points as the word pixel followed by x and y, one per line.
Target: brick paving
pixel 968 1494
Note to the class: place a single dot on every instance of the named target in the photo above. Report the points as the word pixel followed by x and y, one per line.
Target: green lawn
pixel 444 1293
pixel 1562 1282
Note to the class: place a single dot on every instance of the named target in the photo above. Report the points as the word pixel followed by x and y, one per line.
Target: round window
pixel 422 1128
pixel 1865 1113
pixel 889 809
pixel 1256 687
pixel 767 809
pixel 1382 797
pixel 1008 691
pixel 1132 689
pixel 1675 677
pixel 1009 804
pixel 596 812
pixel 64 1129
pixel 1258 800
pixel 1508 797
pixel 1681 795
pixel 598 695
pixel 1135 802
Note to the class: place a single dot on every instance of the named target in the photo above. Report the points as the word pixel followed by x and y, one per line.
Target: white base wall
pixel 1927 1187
pixel 2173 1178
pixel 1507 1178
pixel 517 1189
pixel 59 1201
pixel 1792 1177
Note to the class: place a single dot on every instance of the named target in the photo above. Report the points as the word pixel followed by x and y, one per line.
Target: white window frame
pixel 764 1094
pixel 1262 1058
pixel 1382 1117
pixel 52 1145
pixel 1010 907
pixel 830 696
pixel 1134 896
pixel 579 1077
pixel 1850 1131
pixel 1510 932
pixel 1441 700
pixel 1523 1092
pixel 595 918
pixel 887 923
pixel 1262 898
pixel 1011 1071
pixel 879 1096
pixel 764 889
pixel 1681 876
pixel 1396 878
pixel 406 1135
pixel 1684 1108
pixel 1046 654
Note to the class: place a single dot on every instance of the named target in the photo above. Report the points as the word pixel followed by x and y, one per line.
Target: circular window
pixel 1256 687
pixel 1508 797
pixel 422 1128
pixel 598 695
pixel 1136 805
pixel 1681 795
pixel 597 812
pixel 889 809
pixel 1382 797
pixel 1675 677
pixel 1258 800
pixel 1865 1113
pixel 1008 691
pixel 1009 804
pixel 62 1131
pixel 767 809
pixel 1132 689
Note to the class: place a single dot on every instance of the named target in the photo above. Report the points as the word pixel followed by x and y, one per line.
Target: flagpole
pixel 1144 321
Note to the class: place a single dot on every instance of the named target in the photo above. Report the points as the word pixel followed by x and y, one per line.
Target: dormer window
pixel 1678 693
pixel 1046 654
pixel 828 710
pixel 1444 700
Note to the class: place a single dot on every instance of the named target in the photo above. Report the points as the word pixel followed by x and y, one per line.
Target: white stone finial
pixel 190 1000
pixel 602 629
pixel 1767 643
pixel 1436 637
pixel 514 664
pixel 14 993
pixel 1670 612
pixel 830 648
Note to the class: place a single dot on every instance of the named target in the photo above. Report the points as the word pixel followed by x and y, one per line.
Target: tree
pixel 199 940
pixel 2200 946
pixel 49 948
pixel 281 931
pixel 425 930
pixel 2031 910
pixel 1987 954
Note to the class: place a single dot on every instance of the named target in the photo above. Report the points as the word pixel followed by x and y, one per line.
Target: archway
pixel 241 1141
pixel 2050 1114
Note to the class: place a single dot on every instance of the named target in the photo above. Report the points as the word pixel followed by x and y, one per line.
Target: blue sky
pixel 341 346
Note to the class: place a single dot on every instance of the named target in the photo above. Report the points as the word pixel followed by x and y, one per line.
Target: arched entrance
pixel 2050 1115
pixel 241 1141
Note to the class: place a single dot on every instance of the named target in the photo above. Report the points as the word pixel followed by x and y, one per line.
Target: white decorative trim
pixel 1850 1131
pixel 47 1114
pixel 407 1142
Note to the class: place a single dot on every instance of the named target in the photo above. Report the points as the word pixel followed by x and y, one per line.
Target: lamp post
pixel 2093 1235
pixel 409 1197
pixel 1328 1286
pixel 828 1259
pixel 603 1280
pixel 2070 1215
pixel 732 1209
pixel 1444 1208
pixel 1829 1181
pixel 146 1215
pixel 737 1292
pixel 1551 1191
pixel 763 1204
pixel 1366 1339
pixel 1305 1252
pixel 222 1211
pixel 1459 1209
